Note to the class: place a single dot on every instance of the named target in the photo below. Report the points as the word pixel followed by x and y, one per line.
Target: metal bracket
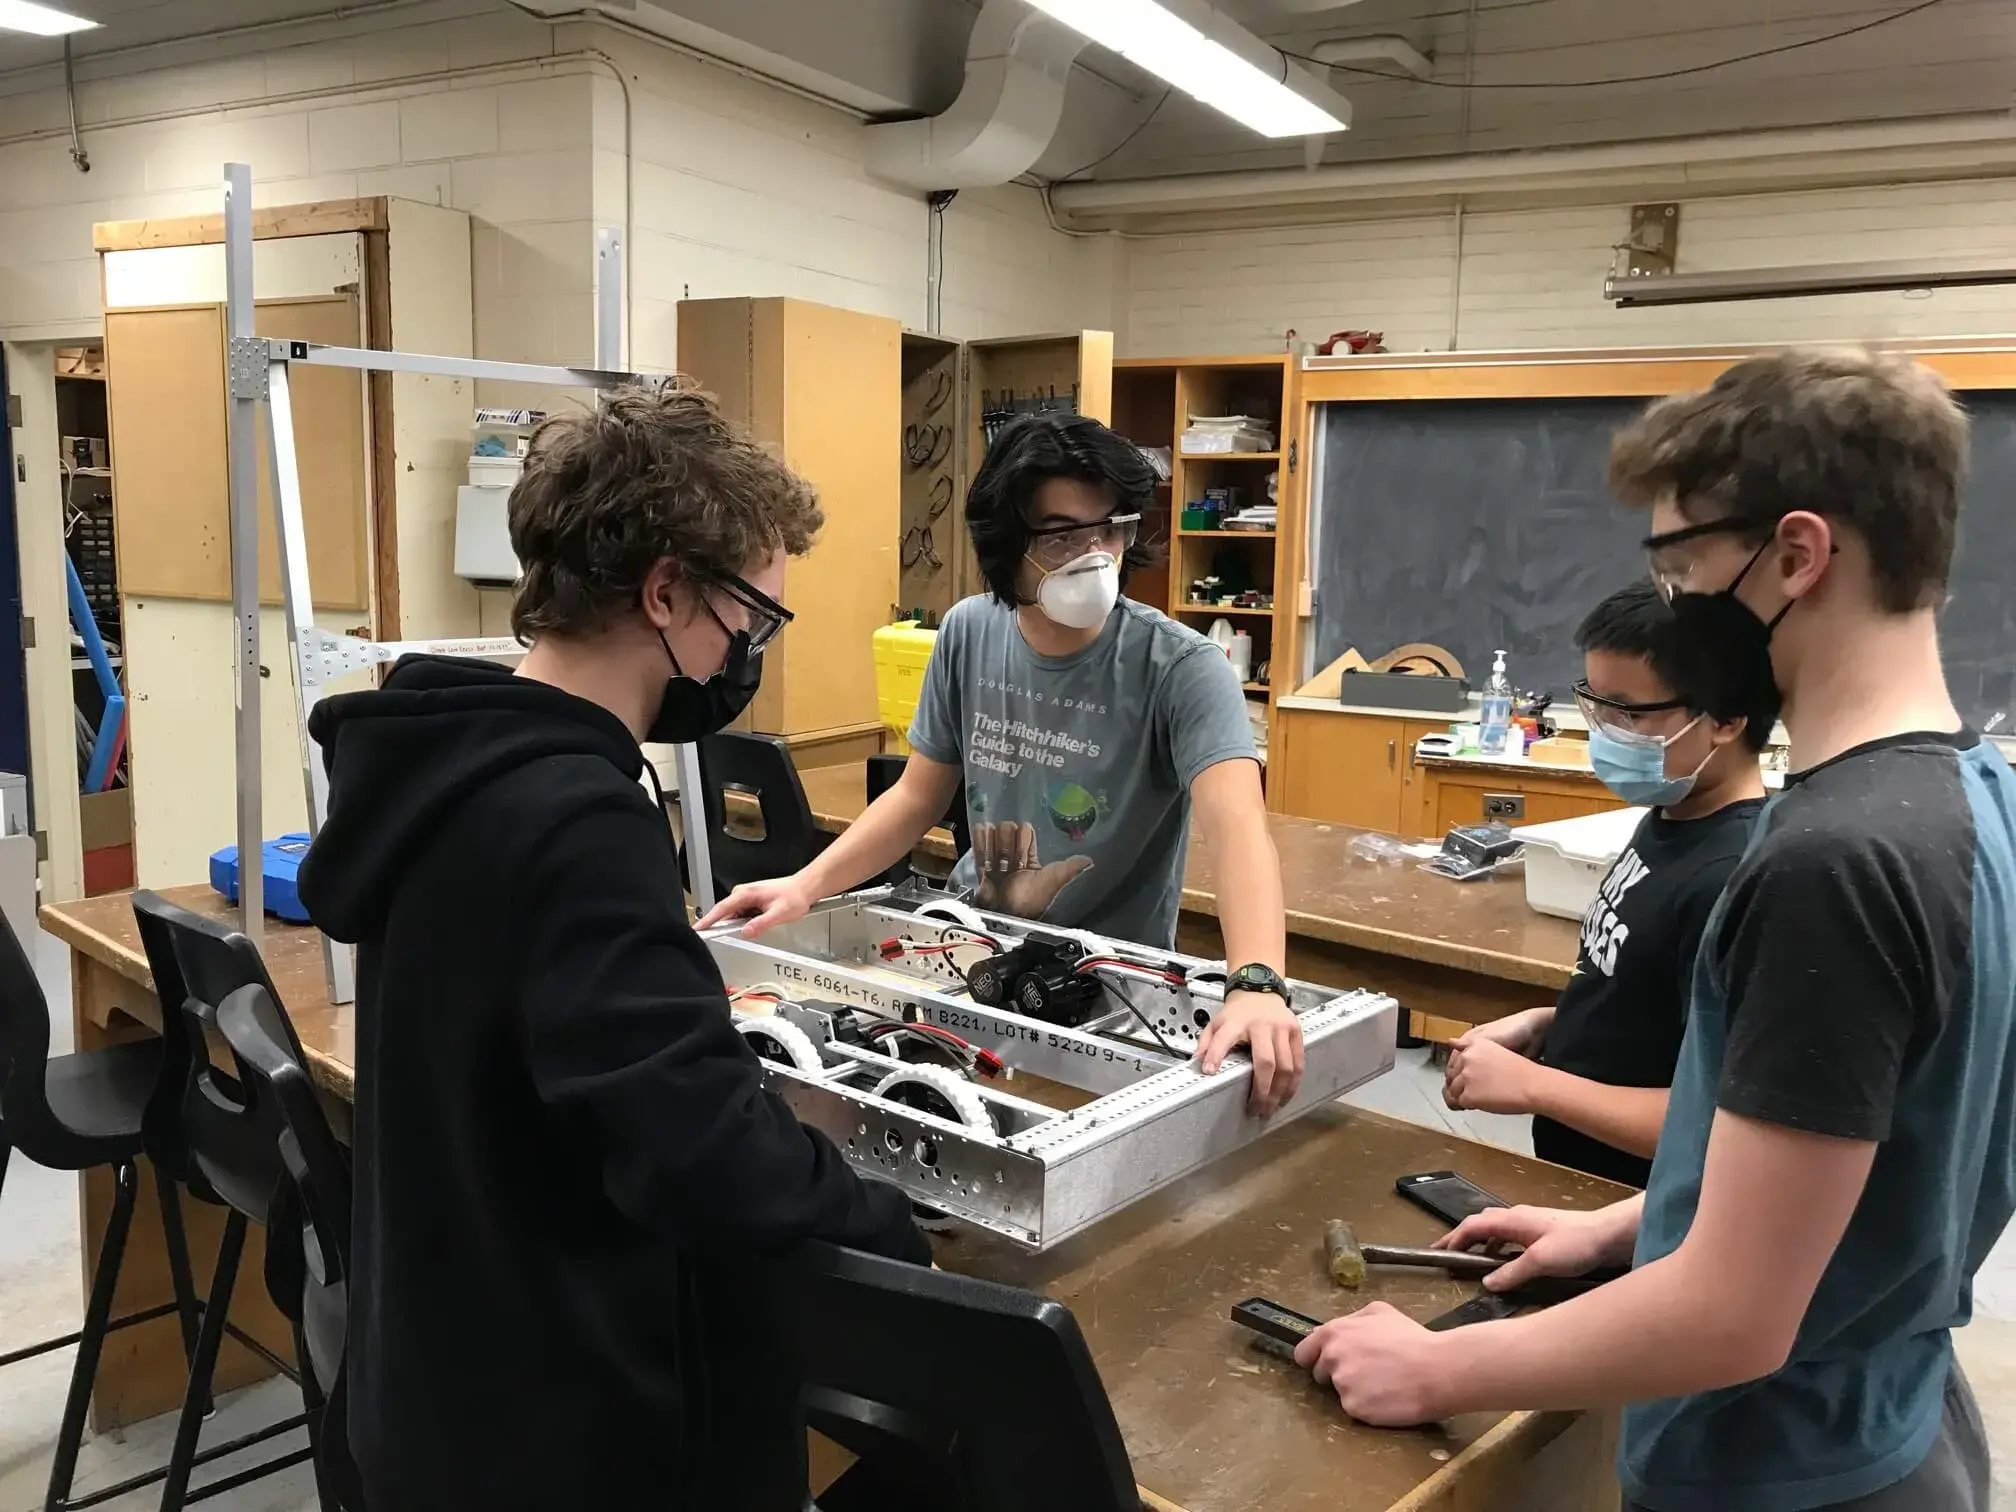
pixel 1653 245
pixel 248 357
pixel 328 656
pixel 13 412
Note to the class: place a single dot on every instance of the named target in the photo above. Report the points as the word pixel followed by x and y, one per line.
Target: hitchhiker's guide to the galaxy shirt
pixel 1078 768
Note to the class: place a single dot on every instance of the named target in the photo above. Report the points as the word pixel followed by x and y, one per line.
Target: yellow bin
pixel 901 652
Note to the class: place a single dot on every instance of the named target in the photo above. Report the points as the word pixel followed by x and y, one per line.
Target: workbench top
pixel 1211 1424
pixel 1338 896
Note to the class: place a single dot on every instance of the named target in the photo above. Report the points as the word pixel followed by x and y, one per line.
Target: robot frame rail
pixel 1031 1173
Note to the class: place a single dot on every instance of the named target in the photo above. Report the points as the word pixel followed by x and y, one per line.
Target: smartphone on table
pixel 1450 1197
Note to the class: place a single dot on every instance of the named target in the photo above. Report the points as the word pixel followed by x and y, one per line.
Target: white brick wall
pixel 507 139
pixel 1535 278
pixel 742 189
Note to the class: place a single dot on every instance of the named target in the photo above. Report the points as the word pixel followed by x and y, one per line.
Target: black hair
pixel 1027 453
pixel 1637 621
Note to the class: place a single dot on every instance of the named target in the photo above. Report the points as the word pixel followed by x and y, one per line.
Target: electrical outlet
pixel 1504 805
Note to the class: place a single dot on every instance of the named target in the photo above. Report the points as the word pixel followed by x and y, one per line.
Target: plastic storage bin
pixel 901 653
pixel 282 871
pixel 1566 858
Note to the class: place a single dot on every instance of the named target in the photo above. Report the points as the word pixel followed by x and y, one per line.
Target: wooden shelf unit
pixel 1153 400
pixel 1215 609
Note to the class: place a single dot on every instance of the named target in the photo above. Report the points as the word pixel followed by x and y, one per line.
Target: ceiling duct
pixel 1017 65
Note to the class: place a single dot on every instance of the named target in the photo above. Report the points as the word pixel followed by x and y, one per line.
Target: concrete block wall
pixel 1534 278
pixel 736 187
pixel 482 114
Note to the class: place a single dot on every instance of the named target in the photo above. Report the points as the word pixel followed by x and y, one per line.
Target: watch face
pixel 1258 979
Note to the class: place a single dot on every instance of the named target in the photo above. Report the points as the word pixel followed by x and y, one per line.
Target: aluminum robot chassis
pixel 822 1000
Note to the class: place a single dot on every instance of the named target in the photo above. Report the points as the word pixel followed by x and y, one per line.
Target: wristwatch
pixel 1257 978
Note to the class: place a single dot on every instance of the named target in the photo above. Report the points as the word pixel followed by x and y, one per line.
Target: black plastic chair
pixel 75 1113
pixel 274 1074
pixel 760 766
pixel 883 772
pixel 955 1395
pixel 225 1150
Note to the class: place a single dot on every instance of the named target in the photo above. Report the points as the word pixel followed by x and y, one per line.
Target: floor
pixel 40 1295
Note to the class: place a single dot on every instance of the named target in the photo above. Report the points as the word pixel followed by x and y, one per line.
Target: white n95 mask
pixel 1081 593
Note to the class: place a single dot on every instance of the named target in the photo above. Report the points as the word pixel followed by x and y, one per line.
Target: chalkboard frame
pixel 1978 624
pixel 1965 362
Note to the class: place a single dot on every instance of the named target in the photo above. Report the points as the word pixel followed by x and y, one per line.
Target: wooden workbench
pixel 1211 1425
pixel 1451 953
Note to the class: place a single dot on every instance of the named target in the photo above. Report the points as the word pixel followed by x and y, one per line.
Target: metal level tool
pixel 260 371
pixel 870 1015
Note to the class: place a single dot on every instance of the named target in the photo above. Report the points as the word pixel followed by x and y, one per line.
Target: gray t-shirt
pixel 1078 768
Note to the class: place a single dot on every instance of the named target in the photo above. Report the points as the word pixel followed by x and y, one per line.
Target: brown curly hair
pixel 610 492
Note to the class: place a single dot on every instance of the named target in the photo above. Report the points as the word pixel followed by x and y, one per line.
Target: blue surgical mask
pixel 1634 766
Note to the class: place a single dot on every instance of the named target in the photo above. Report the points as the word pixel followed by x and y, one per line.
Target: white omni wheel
pixel 777 1039
pixel 934 1090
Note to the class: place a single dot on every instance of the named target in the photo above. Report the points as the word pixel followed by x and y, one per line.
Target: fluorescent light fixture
pixel 1819 278
pixel 1210 58
pixel 40 20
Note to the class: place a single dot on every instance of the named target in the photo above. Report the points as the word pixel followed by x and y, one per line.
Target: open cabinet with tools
pixel 890 426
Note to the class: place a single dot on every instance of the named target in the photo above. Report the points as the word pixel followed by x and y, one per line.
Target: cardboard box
pixel 107 818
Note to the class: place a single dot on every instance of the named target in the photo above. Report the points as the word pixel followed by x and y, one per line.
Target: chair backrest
pixel 971 1396
pixel 24 1047
pixel 202 1127
pixel 278 1089
pixel 883 773
pixel 759 766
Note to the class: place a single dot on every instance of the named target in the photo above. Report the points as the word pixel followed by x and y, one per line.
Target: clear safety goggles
pixel 1058 544
pixel 1632 721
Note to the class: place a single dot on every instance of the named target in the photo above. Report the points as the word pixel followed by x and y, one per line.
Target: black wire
pixel 1152 1031
pixel 1140 127
pixel 1650 78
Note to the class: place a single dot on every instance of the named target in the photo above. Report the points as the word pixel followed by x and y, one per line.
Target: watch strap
pixel 1256 977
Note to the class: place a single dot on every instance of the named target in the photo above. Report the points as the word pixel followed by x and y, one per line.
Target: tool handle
pixel 1455 1262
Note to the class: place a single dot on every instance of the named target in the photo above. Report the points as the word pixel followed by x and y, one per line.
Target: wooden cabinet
pixel 949 390
pixel 1360 769
pixel 824 387
pixel 1453 795
pixel 1340 768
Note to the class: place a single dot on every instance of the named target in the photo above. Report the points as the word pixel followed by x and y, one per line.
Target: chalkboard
pixel 1480 524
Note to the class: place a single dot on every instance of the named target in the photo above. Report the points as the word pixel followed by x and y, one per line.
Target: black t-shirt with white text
pixel 1621 1016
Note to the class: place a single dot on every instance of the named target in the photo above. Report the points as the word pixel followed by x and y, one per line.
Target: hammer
pixel 1346 1258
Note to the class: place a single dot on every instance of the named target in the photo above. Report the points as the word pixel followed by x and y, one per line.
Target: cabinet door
pixel 1416 790
pixel 1459 798
pixel 1342 768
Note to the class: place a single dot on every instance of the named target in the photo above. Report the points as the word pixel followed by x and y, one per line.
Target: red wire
pixel 1093 963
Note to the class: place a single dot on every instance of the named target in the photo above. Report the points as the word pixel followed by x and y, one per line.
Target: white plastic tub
pixel 1566 858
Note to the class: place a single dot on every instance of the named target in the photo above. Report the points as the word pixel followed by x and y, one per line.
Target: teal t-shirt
pixel 1855 980
pixel 1081 763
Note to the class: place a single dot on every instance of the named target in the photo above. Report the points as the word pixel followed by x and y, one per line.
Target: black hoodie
pixel 565 1156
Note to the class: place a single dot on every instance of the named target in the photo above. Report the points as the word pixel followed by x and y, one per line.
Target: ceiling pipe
pixel 1972 145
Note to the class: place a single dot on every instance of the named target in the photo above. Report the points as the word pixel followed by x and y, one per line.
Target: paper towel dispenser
pixel 483 552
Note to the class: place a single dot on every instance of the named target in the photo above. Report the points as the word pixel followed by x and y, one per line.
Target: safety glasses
pixel 1054 545
pixel 766 616
pixel 1616 717
pixel 1671 560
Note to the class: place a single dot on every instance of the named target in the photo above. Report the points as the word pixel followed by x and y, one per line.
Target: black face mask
pixel 692 708
pixel 1729 647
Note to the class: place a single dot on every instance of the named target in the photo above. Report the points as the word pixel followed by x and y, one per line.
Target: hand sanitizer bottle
pixel 1497 711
